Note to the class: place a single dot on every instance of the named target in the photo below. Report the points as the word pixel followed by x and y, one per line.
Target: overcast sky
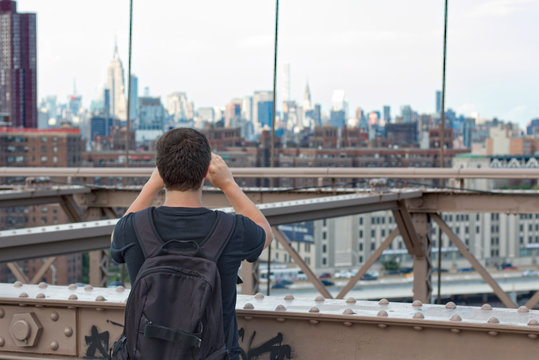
pixel 381 52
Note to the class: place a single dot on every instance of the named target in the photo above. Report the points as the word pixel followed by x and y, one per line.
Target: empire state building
pixel 116 87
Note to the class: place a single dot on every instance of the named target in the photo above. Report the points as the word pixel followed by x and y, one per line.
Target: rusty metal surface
pixel 499 201
pixel 296 328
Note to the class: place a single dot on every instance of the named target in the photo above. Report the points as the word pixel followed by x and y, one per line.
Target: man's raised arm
pixel 220 176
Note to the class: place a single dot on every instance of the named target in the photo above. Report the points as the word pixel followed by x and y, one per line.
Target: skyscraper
pixel 18 67
pixel 133 107
pixel 438 102
pixel 116 86
pixel 387 114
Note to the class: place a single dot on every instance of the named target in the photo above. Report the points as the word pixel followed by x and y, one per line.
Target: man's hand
pixel 155 181
pixel 219 174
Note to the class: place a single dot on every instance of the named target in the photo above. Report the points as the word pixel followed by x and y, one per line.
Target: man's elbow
pixel 269 237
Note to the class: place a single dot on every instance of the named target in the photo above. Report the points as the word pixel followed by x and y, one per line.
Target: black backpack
pixel 174 310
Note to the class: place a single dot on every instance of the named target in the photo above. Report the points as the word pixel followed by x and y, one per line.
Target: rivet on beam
pixel 43 285
pixel 382 313
pixel 54 316
pixel 348 312
pixel 120 289
pixel 280 308
pixel 383 302
pixel 17 284
pixel 347 323
pixel 455 331
pixel 100 298
pixel 319 298
pixel 73 297
pixel 451 305
pixel 2 341
pixel 289 297
pixel 418 316
pixel 382 326
pixel 532 336
pixel 533 322
pixel 351 300
pixel 23 295
pixel 418 328
pixel 455 317
pixel 54 345
pixel 493 320
pixel 486 307
pixel 40 296
pixel 417 303
pixel 88 288
pixel 72 287
pixel 68 331
pixel 493 333
pixel 523 309
pixel 259 296
pixel 248 306
pixel 314 309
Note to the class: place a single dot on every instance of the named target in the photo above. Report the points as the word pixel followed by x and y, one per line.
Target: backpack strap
pixel 150 243
pixel 214 245
pixel 147 238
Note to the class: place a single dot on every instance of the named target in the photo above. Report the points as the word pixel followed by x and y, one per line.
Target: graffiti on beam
pixel 274 347
pixel 98 344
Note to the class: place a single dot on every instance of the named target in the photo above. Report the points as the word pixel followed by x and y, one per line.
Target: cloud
pixel 499 8
pixel 466 109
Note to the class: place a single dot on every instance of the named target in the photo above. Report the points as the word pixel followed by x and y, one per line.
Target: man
pixel 184 160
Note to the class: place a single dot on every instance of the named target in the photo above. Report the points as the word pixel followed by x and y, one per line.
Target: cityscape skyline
pixel 376 62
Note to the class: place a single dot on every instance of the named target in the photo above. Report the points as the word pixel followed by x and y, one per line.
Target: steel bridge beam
pixel 504 201
pixel 296 172
pixel 95 235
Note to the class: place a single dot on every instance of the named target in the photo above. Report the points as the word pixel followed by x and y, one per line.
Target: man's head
pixel 183 158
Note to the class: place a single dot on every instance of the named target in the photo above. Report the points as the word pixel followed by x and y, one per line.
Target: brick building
pixel 40 148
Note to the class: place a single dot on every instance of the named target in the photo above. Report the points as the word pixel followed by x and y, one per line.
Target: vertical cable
pixel 442 123
pixel 272 155
pixel 128 122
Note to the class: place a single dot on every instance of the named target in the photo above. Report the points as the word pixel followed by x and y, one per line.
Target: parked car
pixel 324 276
pixel 529 273
pixel 285 282
pixel 343 274
pixel 510 268
pixel 468 269
pixel 406 270
pixel 327 282
pixel 435 270
pixel 279 286
pixel 368 276
pixel 505 266
pixel 393 272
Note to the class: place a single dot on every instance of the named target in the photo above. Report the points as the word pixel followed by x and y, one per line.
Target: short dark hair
pixel 183 158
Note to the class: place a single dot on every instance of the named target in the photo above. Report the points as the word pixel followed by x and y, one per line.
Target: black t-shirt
pixel 181 223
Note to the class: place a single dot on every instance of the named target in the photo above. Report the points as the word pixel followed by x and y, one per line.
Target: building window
pixel 324 235
pixel 373 246
pixel 373 233
pixel 361 234
pixel 43 159
pixel 324 248
pixel 324 261
pixel 361 220
pixel 360 246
